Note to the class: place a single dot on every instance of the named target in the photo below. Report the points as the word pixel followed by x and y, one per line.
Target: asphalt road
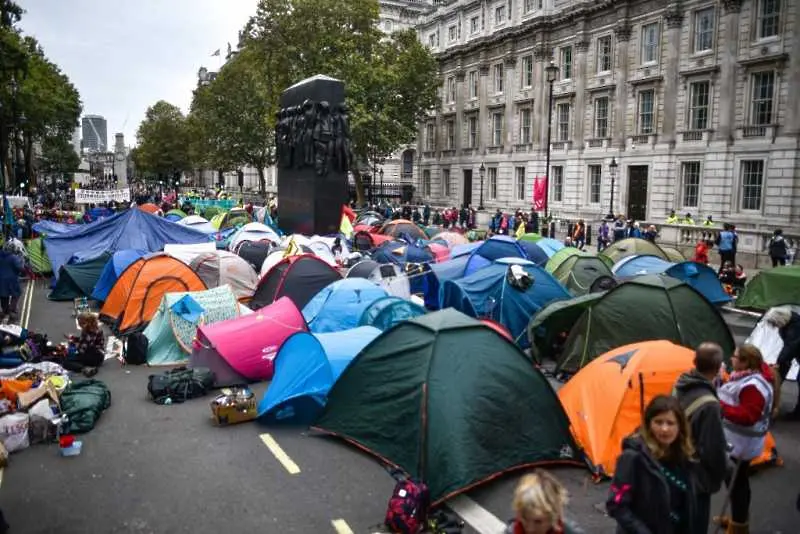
pixel 166 469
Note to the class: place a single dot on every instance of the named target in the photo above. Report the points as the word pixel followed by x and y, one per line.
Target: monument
pixel 312 141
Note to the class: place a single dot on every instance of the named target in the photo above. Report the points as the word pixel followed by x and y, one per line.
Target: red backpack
pixel 407 512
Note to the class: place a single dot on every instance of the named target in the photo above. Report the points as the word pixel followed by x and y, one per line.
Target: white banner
pixel 90 196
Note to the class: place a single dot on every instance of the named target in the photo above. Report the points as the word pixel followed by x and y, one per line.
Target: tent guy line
pixel 279 454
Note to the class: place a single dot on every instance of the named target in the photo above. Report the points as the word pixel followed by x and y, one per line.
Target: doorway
pixel 637 192
pixel 467 187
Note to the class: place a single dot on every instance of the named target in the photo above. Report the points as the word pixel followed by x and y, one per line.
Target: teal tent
pixel 76 280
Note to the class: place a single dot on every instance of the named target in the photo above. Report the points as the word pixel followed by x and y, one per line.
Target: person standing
pixel 697 394
pixel 11 268
pixel 726 244
pixel 777 248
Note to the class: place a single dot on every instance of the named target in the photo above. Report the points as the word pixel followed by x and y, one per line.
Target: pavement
pixel 166 469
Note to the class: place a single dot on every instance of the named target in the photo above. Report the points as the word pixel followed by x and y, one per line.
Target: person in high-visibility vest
pixel 688 219
pixel 709 221
pixel 673 218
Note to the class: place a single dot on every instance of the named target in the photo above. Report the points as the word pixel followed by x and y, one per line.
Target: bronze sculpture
pixel 323 139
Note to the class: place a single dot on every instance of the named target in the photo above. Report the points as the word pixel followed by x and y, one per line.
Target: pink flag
pixel 539 193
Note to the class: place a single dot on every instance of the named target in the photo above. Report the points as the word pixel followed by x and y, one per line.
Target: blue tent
pixel 401 253
pixel 489 294
pixel 99 213
pixel 339 306
pixel 494 248
pixel 131 229
pixel 464 250
pixel 436 275
pixel 701 277
pixel 386 312
pixel 51 228
pixel 549 245
pixel 306 367
pixel 534 252
pixel 114 267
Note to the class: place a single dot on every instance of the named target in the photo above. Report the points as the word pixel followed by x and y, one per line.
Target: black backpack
pixel 136 349
pixel 180 384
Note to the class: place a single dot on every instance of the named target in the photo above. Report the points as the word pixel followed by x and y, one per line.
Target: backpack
pixel 407 512
pixel 180 384
pixel 136 349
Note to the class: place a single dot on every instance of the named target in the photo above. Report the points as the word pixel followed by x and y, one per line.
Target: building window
pixel 474 25
pixel 698 109
pixel 451 134
pixel 473 84
pixel 497 129
pixel 492 193
pixel 430 137
pixel 595 178
pixel 519 183
pixel 704 29
pixel 451 34
pixel 763 92
pixel 527 71
pixel 566 63
pixel 445 182
pixel 451 90
pixel 690 184
pixel 769 16
pixel 562 111
pixel 557 181
pixel 387 25
pixel 525 126
pixel 646 112
pixel 426 183
pixel 498 78
pixel 752 184
pixel 432 40
pixel 601 117
pixel 650 43
pixel 499 14
pixel 604 54
pixel 530 5
pixel 472 132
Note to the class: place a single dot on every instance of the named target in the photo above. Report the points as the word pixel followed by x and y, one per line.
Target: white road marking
pixel 480 519
pixel 279 454
pixel 341 526
pixel 1 476
pixel 27 318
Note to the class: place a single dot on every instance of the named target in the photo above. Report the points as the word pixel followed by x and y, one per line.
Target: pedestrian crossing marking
pixel 341 526
pixel 279 454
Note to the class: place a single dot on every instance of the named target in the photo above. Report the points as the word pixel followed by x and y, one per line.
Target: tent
pixel 253 231
pixel 113 269
pixel 532 237
pixel 187 253
pixel 362 269
pixel 550 246
pixel 221 268
pixel 645 308
pixel 386 312
pixel 582 274
pixel 451 238
pixel 401 253
pixel 772 287
pixel 196 222
pixel 403 226
pixel 561 256
pixel 37 256
pixel 492 293
pixel 243 350
pixel 364 240
pixel 451 402
pixel 672 254
pixel 174 326
pixel 388 276
pixel 632 246
pixel 494 248
pixel 78 279
pixel 47 227
pixel 605 400
pixel 306 367
pixel 554 321
pixel 297 277
pixel 175 215
pixel 339 306
pixel 150 208
pixel 234 217
pixel 254 253
pixel 131 229
pixel 137 294
pixel 701 277
pixel 369 218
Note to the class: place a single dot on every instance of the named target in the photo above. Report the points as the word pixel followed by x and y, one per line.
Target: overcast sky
pixel 125 55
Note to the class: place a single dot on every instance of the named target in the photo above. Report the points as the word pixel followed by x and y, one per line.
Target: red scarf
pixel 558 529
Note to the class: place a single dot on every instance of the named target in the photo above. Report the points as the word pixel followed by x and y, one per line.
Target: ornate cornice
pixel 732 6
pixel 674 19
pixel 623 31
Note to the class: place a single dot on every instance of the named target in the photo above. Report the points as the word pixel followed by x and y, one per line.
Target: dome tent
pixel 772 287
pixel 221 268
pixel 386 312
pixel 423 355
pixel 632 246
pixel 582 274
pixel 339 305
pixel 112 271
pixel 297 277
pixel 77 280
pixel 253 231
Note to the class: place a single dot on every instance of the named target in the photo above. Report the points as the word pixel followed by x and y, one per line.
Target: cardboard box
pixel 233 406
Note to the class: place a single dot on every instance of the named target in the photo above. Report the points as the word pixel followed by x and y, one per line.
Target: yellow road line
pixel 279 454
pixel 341 526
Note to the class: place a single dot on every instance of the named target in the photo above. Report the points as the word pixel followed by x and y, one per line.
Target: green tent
pixel 673 254
pixel 560 256
pixel 176 212
pixel 77 280
pixel 582 274
pixel 556 319
pixel 209 212
pixel 449 401
pixel 642 309
pixel 632 246
pixel 37 256
pixel 173 327
pixel 772 287
pixel 531 237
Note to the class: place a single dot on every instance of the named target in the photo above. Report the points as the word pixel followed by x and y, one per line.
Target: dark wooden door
pixel 637 192
pixel 467 181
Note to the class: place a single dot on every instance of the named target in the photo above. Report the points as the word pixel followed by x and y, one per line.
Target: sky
pixel 123 55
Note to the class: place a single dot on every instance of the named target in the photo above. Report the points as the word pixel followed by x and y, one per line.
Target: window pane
pixel 563 122
pixel 557 184
pixel 604 54
pixel 492 182
pixel 752 183
pixel 595 177
pixel 566 63
pixel 763 91
pixel 650 43
pixel 601 118
pixel 690 178
pixel 698 118
pixel 646 112
pixel 704 29
pixel 519 183
pixel 770 18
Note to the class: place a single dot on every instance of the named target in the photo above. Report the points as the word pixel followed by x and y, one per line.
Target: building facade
pixel 95 133
pixel 689 98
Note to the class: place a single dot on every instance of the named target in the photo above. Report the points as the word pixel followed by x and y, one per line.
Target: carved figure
pixel 323 139
pixel 298 138
pixel 283 138
pixel 309 120
pixel 342 155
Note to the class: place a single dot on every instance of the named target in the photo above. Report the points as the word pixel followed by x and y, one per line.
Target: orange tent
pixel 150 208
pixel 605 400
pixel 403 226
pixel 135 297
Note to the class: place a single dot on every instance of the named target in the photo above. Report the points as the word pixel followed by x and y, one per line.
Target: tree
pixel 163 141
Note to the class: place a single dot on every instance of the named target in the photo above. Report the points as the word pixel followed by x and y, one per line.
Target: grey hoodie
pixel 706 426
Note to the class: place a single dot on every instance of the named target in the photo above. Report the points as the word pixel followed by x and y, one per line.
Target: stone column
pixel 483 110
pixel 728 70
pixel 509 87
pixel 623 36
pixel 674 19
pixel 541 57
pixel 459 110
pixel 579 75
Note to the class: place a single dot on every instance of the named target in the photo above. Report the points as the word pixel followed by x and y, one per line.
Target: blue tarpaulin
pixel 112 271
pixel 339 306
pixel 131 229
pixel 306 367
pixel 51 228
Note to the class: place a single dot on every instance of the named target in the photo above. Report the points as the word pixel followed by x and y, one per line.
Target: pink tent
pixel 243 350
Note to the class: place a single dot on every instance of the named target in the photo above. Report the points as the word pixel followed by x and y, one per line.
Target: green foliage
pixel 58 157
pixel 163 141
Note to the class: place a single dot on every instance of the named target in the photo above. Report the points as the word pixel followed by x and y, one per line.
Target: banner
pixel 90 196
pixel 539 193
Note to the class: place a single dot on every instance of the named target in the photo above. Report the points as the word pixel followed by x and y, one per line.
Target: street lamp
pixel 481 173
pixel 380 173
pixel 551 74
pixel 612 168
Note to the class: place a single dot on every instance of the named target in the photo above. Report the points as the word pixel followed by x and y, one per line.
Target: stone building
pixel 690 98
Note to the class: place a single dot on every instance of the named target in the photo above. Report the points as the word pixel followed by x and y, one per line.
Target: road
pixel 166 469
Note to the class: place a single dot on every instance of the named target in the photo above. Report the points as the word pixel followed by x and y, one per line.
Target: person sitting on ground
pixel 740 278
pixel 727 275
pixel 89 347
pixel 539 506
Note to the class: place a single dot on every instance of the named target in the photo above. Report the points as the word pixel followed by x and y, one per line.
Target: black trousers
pixel 740 493
pixel 778 261
pixel 726 255
pixel 702 512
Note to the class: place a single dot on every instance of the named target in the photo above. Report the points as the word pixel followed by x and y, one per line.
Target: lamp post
pixel 380 173
pixel 612 169
pixel 481 173
pixel 552 73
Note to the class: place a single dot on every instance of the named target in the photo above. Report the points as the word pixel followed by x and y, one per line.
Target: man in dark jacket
pixel 790 334
pixel 696 392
